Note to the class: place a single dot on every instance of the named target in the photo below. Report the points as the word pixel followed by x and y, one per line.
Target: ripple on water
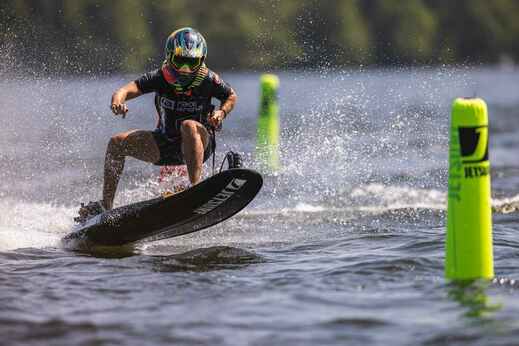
pixel 206 259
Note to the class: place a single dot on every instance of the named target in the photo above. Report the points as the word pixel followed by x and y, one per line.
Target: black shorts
pixel 171 149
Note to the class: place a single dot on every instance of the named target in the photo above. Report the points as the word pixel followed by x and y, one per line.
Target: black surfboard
pixel 203 205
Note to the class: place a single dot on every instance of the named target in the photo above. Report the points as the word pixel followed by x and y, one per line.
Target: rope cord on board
pixel 233 159
pixel 213 143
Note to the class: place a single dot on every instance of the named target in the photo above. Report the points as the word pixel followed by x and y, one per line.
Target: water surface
pixel 344 246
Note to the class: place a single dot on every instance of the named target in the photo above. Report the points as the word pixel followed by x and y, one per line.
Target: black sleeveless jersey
pixel 174 106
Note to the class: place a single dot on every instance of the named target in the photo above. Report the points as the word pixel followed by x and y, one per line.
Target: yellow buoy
pixel 267 147
pixel 469 215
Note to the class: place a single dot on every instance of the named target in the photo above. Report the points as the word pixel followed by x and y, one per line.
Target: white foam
pixel 29 224
pixel 372 198
pixel 498 202
pixel 506 205
pixel 373 195
pixel 304 207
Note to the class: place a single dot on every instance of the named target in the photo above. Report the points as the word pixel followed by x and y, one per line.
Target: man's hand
pixel 216 119
pixel 119 108
pixel 127 92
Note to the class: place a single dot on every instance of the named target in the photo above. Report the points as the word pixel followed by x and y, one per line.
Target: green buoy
pixel 267 147
pixel 469 216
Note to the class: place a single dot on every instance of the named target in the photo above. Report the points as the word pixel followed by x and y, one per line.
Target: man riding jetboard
pixel 183 87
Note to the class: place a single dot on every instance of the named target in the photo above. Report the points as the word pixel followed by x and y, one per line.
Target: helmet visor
pixel 180 61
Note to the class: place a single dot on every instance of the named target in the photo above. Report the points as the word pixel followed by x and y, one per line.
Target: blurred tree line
pixel 82 36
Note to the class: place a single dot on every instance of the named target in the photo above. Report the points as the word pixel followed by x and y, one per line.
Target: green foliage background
pixel 82 36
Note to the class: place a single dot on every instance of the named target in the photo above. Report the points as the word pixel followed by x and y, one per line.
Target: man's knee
pixel 189 128
pixel 193 129
pixel 118 142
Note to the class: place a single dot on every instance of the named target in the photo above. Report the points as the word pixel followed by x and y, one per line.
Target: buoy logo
pixel 474 151
pixel 474 144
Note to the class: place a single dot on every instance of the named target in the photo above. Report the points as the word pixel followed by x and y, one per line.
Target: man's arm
pixel 228 105
pixel 225 108
pixel 127 92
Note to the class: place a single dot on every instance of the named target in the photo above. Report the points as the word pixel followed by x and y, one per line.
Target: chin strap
pixel 172 77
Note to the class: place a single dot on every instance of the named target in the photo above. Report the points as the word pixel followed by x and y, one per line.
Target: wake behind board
pixel 203 205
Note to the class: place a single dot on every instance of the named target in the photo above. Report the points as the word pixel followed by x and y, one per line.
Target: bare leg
pixel 138 144
pixel 194 141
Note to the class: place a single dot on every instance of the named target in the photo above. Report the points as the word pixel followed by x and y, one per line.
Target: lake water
pixel 343 246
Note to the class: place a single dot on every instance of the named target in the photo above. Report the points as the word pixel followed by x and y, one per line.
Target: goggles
pixel 180 61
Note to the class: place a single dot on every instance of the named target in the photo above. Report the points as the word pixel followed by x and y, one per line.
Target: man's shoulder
pixel 212 74
pixel 214 78
pixel 155 74
pixel 152 81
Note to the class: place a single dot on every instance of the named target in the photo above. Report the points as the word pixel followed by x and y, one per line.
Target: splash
pixel 506 205
pixel 358 129
pixel 28 224
pixel 353 142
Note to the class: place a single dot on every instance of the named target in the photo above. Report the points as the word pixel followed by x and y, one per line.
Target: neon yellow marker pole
pixel 469 215
pixel 267 147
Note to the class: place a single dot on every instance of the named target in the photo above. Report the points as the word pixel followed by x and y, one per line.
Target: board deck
pixel 203 205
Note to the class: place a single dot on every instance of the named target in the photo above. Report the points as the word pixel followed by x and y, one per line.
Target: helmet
pixel 185 51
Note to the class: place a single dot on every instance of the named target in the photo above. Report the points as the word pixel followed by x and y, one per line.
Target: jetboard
pixel 203 205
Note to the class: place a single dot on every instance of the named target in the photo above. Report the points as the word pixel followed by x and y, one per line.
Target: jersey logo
pixel 167 103
pixel 188 107
pixel 181 106
pixel 187 92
